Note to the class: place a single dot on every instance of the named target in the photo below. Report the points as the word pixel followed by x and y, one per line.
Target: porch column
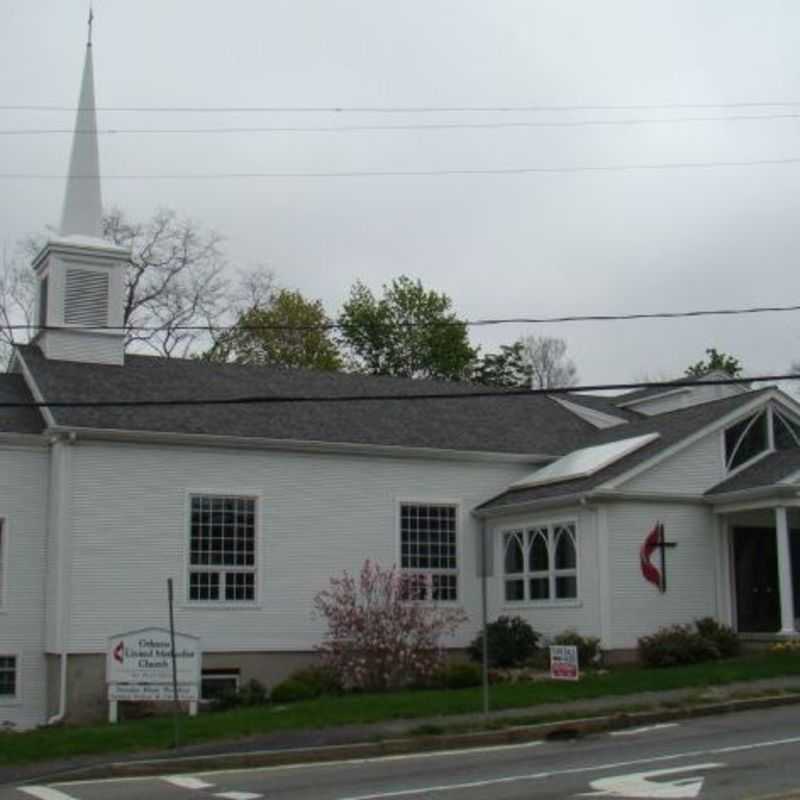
pixel 785 571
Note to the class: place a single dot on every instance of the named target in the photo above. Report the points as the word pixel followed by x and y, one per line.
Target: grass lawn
pixel 156 734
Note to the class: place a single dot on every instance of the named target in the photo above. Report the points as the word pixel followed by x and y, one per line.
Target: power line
pixel 421 109
pixel 389 173
pixel 298 399
pixel 713 312
pixel 430 126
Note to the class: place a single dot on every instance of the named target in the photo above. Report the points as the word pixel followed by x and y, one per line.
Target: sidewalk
pixel 362 741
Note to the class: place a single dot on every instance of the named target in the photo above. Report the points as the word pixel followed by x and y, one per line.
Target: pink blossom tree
pixel 381 633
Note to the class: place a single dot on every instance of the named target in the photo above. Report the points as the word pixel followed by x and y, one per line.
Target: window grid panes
pixel 428 549
pixel 8 676
pixel 222 549
pixel 745 440
pixel 540 564
pixel 786 432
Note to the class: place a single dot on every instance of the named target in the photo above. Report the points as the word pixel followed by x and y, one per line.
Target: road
pixel 747 755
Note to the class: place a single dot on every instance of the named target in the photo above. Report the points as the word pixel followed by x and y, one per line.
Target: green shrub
pixel 458 676
pixel 320 678
pixel 291 690
pixel 511 642
pixel 253 693
pixel 725 639
pixel 675 645
pixel 588 646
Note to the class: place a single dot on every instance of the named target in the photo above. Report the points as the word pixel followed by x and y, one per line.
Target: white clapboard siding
pixel 84 346
pixel 23 498
pixel 636 606
pixel 693 470
pixel 319 515
pixel 550 619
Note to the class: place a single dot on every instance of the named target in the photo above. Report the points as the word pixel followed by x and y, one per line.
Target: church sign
pixel 139 667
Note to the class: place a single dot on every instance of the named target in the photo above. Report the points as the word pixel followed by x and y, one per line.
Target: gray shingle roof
pixel 605 405
pixel 767 471
pixel 672 426
pixel 514 424
pixel 17 420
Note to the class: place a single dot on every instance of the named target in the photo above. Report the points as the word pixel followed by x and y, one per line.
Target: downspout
pixel 60 515
pixel 485 621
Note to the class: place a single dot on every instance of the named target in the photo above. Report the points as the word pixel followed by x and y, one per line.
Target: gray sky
pixel 499 245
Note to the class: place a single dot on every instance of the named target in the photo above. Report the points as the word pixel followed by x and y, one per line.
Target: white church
pixel 250 509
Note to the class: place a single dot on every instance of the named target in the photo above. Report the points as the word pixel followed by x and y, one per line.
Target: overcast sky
pixel 499 245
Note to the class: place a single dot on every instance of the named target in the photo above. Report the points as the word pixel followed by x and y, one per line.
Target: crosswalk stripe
pixel 45 793
pixel 239 795
pixel 187 782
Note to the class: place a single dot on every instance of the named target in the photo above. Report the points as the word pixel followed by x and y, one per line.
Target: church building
pixel 612 516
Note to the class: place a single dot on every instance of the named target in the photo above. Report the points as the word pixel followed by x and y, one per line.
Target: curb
pixel 515 734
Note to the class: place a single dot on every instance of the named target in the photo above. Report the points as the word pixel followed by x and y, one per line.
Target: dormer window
pixel 786 431
pixel 765 431
pixel 745 440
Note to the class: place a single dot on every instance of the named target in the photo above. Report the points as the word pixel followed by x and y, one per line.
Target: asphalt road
pixel 748 755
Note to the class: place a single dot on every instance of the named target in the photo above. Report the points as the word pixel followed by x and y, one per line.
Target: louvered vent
pixel 86 301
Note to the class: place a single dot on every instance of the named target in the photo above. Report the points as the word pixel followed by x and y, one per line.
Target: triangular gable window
pixel 745 440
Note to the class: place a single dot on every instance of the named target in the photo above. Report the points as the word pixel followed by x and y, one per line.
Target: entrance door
pixel 755 558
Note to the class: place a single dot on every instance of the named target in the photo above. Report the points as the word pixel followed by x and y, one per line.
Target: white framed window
pixel 429 549
pixel 216 683
pixel 222 549
pixel 540 563
pixel 758 433
pixel 9 679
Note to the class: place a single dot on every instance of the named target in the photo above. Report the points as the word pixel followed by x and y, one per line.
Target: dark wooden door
pixel 755 557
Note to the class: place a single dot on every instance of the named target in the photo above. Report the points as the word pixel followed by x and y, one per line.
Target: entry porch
pixel 760 570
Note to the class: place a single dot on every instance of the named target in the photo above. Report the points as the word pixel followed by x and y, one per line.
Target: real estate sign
pixel 564 662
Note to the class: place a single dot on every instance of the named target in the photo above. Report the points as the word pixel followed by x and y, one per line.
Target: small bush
pixel 458 676
pixel 291 690
pixel 725 639
pixel 676 645
pixel 253 693
pixel 511 642
pixel 588 646
pixel 320 678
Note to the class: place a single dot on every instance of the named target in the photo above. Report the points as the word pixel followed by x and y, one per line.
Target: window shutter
pixel 86 298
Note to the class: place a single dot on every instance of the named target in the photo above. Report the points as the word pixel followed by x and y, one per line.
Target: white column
pixel 785 571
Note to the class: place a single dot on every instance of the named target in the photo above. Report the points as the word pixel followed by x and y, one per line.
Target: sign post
pixel 140 667
pixel 564 663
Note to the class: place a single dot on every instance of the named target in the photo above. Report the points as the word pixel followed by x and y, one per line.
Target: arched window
pixel 541 563
pixel 745 440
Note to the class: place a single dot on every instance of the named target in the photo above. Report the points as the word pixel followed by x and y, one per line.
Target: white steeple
pixel 83 206
pixel 81 276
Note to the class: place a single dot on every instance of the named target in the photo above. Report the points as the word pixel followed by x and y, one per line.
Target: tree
pixel 716 362
pixel 381 633
pixel 538 362
pixel 284 329
pixel 176 290
pixel 409 332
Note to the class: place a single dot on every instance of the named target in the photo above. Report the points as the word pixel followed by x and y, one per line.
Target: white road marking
pixel 186 782
pixel 341 762
pixel 535 776
pixel 45 793
pixel 645 729
pixel 637 785
pixel 239 795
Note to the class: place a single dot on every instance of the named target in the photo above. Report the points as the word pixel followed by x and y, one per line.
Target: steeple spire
pixel 83 206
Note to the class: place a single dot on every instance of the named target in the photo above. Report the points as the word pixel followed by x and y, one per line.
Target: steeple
pixel 82 277
pixel 83 206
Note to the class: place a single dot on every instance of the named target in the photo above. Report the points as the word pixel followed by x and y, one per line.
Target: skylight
pixel 584 462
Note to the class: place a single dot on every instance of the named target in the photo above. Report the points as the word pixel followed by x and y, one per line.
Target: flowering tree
pixel 380 634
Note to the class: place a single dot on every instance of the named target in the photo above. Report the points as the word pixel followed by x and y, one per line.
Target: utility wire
pixel 423 109
pixel 714 312
pixel 430 126
pixel 390 173
pixel 297 399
